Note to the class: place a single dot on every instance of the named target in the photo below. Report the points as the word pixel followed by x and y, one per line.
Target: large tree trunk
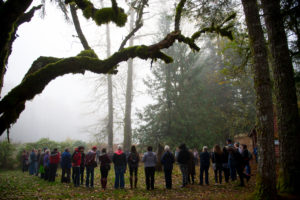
pixel 10 13
pixel 266 173
pixel 129 88
pixel 286 99
pixel 110 128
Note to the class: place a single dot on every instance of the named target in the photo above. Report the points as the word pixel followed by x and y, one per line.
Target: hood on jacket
pixel 119 152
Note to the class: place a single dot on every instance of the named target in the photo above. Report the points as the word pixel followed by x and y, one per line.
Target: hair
pixel 205 148
pixel 103 150
pixel 47 151
pixel 119 147
pixel 80 147
pixel 244 146
pixel 217 149
pixel 55 149
pixel 237 144
pixel 229 141
pixel 133 149
pixel 67 149
pixel 182 147
pixel 149 148
pixel 167 148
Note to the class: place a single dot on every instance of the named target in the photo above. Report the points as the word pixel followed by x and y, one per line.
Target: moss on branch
pixel 178 14
pixel 101 16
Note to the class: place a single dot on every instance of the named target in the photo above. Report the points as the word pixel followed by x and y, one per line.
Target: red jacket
pixel 76 159
pixel 54 157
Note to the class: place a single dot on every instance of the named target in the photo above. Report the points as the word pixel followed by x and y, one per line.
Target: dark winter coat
pixel 82 160
pixel 119 158
pixel 167 160
pixel 217 160
pixel 183 156
pixel 104 160
pixel 204 159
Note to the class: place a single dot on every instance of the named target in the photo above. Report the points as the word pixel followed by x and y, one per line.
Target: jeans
pixel 248 169
pixel 76 176
pixel 119 173
pixel 218 172
pixel 232 169
pixel 63 178
pixel 184 172
pixel 168 178
pixel 204 169
pixel 150 172
pixel 89 171
pixel 52 173
pixel 81 174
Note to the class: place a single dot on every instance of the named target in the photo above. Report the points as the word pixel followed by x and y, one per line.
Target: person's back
pixel 66 160
pixel 90 159
pixel 149 159
pixel 133 159
pixel 183 156
pixel 167 160
pixel 54 157
pixel 119 158
pixel 204 159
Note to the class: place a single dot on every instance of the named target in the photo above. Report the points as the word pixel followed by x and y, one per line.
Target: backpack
pixel 90 159
pixel 133 158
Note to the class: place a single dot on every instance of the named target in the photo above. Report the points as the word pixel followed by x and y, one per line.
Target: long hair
pixel 217 149
pixel 133 149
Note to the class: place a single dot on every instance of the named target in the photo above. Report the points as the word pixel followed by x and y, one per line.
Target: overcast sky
pixel 62 110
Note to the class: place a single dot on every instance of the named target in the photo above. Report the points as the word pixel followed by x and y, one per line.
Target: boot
pixel 130 179
pixel 102 183
pixel 135 182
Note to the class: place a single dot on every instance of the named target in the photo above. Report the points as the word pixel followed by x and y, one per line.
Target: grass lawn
pixel 18 185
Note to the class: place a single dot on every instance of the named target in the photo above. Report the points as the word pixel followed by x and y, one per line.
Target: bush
pixel 7 160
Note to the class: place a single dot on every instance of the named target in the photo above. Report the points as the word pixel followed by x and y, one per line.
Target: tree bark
pixel 129 88
pixel 110 128
pixel 286 99
pixel 266 173
pixel 10 12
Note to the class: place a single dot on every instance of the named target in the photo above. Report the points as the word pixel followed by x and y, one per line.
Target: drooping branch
pixel 101 16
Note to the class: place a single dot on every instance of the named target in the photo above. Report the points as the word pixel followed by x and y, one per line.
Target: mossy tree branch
pixel 178 14
pixel 45 69
pixel 101 16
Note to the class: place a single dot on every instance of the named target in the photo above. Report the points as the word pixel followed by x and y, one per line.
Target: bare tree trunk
pixel 286 99
pixel 129 88
pixel 266 173
pixel 110 129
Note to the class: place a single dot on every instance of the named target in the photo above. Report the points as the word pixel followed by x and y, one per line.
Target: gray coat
pixel 149 159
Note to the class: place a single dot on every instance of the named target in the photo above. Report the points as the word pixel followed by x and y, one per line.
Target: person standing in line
pixel 240 165
pixel 183 159
pixel 204 165
pixel 65 166
pixel 104 167
pixel 167 160
pixel 24 160
pixel 81 149
pixel 41 164
pixel 37 163
pixel 32 161
pixel 196 156
pixel 225 167
pixel 216 159
pixel 231 160
pixel 119 160
pixel 47 165
pixel 133 164
pixel 247 156
pixel 76 162
pixel 149 160
pixel 90 163
pixel 54 160
pixel 191 168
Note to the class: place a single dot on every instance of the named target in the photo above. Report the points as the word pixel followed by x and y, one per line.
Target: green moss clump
pixel 88 53
pixel 106 15
pixel 88 11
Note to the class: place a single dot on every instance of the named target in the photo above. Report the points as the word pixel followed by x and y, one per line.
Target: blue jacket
pixel 65 160
pixel 149 159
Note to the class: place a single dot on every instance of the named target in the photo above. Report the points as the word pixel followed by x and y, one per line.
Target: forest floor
pixel 18 185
